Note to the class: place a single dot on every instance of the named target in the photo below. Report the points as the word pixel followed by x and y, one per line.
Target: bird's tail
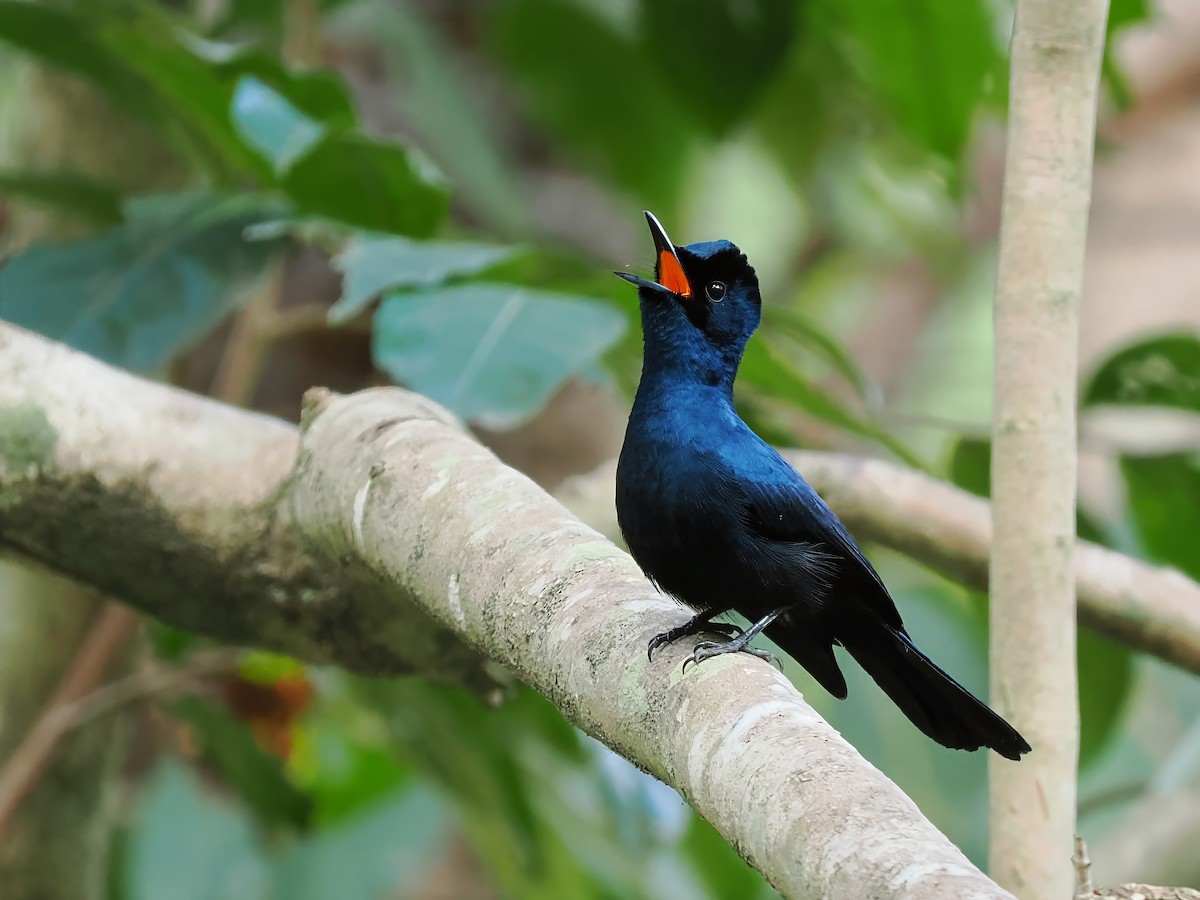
pixel 932 700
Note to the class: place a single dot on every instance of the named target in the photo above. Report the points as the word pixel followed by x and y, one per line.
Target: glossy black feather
pixel 717 518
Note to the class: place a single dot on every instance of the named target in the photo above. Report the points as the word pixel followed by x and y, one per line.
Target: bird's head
pixel 702 305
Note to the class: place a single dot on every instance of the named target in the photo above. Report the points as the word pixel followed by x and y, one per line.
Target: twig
pixel 245 354
pixel 295 320
pixel 155 681
pixel 108 634
pixel 1083 870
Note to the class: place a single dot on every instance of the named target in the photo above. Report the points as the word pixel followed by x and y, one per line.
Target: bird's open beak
pixel 668 270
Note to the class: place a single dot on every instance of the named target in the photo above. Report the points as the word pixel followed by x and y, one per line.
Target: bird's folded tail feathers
pixel 937 704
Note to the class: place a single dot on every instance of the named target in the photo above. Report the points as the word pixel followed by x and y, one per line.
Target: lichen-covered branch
pixel 1152 608
pixel 170 502
pixel 397 535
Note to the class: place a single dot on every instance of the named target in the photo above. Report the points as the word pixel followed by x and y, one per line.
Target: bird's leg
pixel 695 625
pixel 739 644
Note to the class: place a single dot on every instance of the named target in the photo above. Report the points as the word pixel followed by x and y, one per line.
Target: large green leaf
pixel 493 353
pixel 768 370
pixel 272 125
pixel 188 845
pixel 717 55
pixel 365 857
pixel 1121 14
pixel 450 121
pixel 369 183
pixel 196 94
pixel 590 84
pixel 927 62
pixel 140 294
pixel 1164 501
pixel 1162 371
pixel 96 201
pixel 320 95
pixel 372 264
pixel 256 775
pixel 342 175
pixel 61 40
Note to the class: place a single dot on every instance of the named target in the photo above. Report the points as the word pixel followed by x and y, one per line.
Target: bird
pixel 717 518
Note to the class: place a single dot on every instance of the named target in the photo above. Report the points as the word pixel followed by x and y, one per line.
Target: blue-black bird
pixel 717 518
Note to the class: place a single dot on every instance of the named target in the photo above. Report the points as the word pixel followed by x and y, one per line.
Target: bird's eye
pixel 715 291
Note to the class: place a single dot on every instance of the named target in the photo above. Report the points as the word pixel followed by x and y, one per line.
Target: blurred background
pixel 250 197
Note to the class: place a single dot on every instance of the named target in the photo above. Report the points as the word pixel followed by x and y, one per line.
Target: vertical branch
pixel 1056 52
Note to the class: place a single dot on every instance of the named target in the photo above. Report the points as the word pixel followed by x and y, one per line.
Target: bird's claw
pixel 688 628
pixel 708 649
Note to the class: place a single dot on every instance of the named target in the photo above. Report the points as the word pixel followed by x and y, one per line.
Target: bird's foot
pixel 695 625
pixel 709 649
pixel 740 644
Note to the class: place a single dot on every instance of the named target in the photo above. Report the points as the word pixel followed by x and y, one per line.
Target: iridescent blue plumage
pixel 717 518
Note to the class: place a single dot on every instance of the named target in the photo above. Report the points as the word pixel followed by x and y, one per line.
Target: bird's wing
pixel 781 506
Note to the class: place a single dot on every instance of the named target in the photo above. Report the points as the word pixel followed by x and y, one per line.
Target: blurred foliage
pixel 834 135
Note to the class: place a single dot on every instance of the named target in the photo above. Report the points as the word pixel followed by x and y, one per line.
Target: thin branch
pixel 107 635
pixel 245 353
pixel 1055 76
pixel 1083 870
pixel 154 682
pixel 396 537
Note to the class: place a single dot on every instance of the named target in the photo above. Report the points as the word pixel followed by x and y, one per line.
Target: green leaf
pixel 1163 502
pixel 1105 685
pixel 971 465
pixel 594 88
pixel 140 294
pixel 1121 13
pixel 270 124
pixel 926 62
pixel 315 231
pixel 1163 371
pixel 96 201
pixel 971 469
pixel 187 845
pixel 372 184
pixel 321 96
pixel 255 774
pixel 806 333
pixel 194 91
pixel 346 774
pixel 365 857
pixel 493 353
pixel 769 372
pixel 371 264
pixel 717 55
pixel 59 39
pixel 452 123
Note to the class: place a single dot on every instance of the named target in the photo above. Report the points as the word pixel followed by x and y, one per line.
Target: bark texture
pixel 387 540
pixel 1055 65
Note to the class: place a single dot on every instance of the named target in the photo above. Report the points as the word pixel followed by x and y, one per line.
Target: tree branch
pixel 186 509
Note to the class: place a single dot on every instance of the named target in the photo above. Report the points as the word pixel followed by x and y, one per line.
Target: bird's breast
pixel 676 522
